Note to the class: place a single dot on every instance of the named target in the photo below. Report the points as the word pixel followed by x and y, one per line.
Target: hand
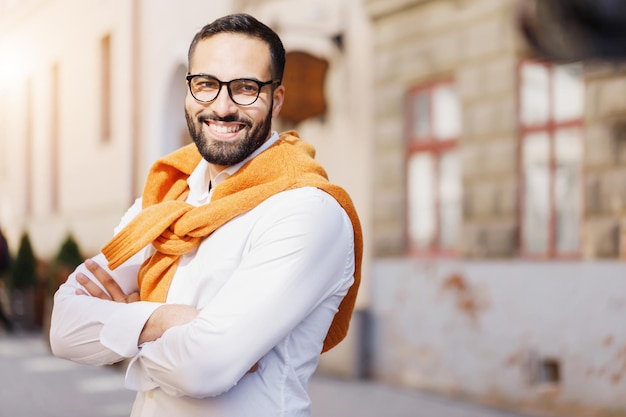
pixel 166 317
pixel 113 291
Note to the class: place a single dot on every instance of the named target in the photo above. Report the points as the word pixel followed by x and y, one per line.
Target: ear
pixel 279 99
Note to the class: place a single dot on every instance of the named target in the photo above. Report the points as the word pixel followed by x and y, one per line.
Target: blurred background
pixel 483 142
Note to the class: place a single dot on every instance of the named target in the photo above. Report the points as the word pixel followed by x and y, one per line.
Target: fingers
pixel 112 290
pixel 132 297
pixel 107 281
pixel 90 287
pixel 80 291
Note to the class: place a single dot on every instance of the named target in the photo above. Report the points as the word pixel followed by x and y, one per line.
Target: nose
pixel 223 105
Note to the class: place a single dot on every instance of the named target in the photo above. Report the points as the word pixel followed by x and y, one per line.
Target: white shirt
pixel 268 284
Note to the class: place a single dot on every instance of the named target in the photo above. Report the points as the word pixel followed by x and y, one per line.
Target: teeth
pixel 224 129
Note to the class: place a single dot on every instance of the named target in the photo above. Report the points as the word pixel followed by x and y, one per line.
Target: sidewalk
pixel 36 384
pixel 350 398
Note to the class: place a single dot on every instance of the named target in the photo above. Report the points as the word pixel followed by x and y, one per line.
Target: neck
pixel 214 170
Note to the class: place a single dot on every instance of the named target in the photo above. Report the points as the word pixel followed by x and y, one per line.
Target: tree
pixel 5 255
pixel 23 279
pixel 66 260
pixel 24 268
pixel 69 254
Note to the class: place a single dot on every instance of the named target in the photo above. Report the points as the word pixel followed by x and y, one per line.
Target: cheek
pixel 191 105
pixel 260 111
pixel 188 105
pixel 258 117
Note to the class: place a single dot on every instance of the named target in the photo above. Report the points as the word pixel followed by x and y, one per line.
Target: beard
pixel 226 153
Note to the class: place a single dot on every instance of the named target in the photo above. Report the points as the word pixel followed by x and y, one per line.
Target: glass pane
pixel 446 112
pixel 568 189
pixel 569 91
pixel 421 116
pixel 534 94
pixel 421 215
pixel 536 173
pixel 449 200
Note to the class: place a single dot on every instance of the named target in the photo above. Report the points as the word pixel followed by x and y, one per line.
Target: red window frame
pixel 436 147
pixel 550 127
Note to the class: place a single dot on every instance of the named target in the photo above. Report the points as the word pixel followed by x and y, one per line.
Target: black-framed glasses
pixel 243 91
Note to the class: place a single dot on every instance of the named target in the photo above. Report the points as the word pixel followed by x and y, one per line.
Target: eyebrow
pixel 237 78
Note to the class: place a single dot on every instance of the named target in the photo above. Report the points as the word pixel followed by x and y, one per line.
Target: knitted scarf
pixel 175 227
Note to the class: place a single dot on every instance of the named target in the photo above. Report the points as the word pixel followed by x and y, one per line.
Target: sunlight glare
pixel 11 65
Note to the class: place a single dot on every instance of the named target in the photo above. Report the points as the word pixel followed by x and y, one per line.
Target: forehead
pixel 228 56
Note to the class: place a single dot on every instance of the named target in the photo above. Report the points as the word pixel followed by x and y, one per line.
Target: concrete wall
pixel 490 330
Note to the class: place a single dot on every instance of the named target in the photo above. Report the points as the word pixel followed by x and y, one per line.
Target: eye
pixel 203 83
pixel 245 87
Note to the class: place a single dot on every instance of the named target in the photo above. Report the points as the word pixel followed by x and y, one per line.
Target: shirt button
pixel 151 394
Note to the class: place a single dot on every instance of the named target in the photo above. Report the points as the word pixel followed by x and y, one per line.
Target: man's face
pixel 225 132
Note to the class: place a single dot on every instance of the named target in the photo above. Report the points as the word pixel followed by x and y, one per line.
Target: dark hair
pixel 245 24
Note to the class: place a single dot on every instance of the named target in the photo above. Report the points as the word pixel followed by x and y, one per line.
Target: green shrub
pixel 66 260
pixel 5 256
pixel 69 253
pixel 24 268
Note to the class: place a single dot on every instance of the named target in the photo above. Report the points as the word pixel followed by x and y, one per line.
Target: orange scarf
pixel 175 227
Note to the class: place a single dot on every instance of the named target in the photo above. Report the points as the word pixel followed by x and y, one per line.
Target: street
pixel 33 383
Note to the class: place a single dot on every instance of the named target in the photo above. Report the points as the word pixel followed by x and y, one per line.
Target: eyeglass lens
pixel 241 91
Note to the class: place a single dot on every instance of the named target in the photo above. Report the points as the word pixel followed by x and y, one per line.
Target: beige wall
pixel 93 177
pixel 96 180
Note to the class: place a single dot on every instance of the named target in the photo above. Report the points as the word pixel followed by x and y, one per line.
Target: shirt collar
pixel 200 178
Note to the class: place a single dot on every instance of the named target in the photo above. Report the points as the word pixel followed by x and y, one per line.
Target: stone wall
pixel 537 336
pixel 475 44
pixel 605 161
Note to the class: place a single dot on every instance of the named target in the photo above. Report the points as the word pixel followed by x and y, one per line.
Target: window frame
pixel 550 127
pixel 436 147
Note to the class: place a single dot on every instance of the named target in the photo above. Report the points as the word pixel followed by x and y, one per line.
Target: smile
pixel 225 129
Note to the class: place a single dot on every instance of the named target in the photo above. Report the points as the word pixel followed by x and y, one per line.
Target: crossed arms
pixel 163 317
pixel 299 256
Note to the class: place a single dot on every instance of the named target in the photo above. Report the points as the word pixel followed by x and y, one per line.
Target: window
pixel 433 169
pixel 551 126
pixel 105 86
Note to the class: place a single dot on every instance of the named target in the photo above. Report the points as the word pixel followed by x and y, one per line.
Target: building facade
pixel 498 218
pixel 489 182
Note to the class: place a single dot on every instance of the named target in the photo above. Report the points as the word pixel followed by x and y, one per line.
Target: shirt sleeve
pixel 93 331
pixel 301 253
